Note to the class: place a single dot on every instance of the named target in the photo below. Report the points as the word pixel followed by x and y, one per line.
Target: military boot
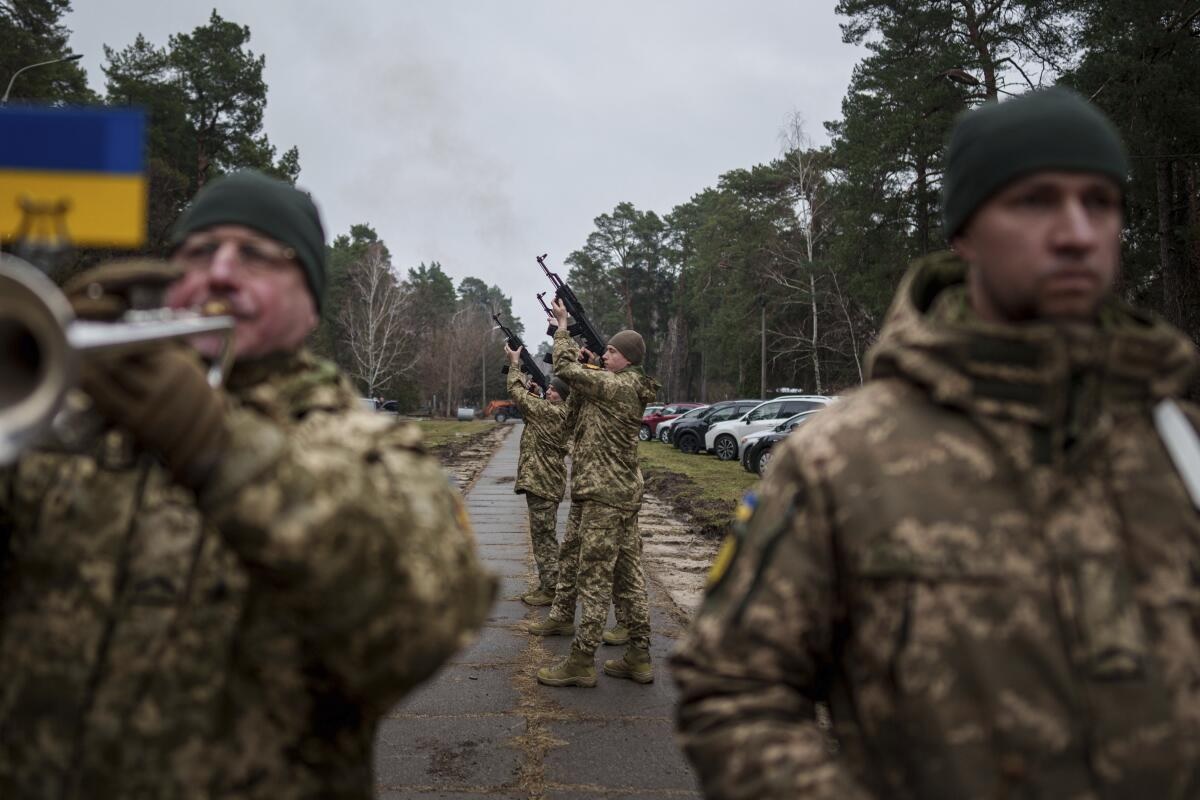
pixel 538 597
pixel 576 669
pixel 634 665
pixel 618 634
pixel 552 627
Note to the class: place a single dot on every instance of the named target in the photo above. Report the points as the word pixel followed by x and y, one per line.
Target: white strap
pixel 1182 443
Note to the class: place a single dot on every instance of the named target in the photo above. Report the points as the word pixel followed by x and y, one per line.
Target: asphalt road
pixel 484 727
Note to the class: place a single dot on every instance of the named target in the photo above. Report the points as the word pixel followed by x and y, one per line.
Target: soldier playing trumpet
pixel 227 592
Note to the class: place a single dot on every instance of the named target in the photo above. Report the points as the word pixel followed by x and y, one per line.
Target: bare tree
pixel 795 267
pixel 451 356
pixel 379 339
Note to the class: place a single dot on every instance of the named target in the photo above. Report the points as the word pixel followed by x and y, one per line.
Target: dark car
pixel 757 453
pixel 688 434
pixel 651 421
pixel 506 413
pixel 663 433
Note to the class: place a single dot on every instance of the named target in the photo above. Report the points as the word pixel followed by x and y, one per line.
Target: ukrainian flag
pixel 81 169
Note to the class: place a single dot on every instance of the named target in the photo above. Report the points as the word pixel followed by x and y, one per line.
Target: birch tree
pixel 377 332
pixel 795 266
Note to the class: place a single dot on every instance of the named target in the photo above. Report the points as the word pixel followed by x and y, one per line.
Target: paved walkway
pixel 484 727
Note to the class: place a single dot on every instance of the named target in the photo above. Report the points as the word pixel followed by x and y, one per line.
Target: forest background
pixel 777 275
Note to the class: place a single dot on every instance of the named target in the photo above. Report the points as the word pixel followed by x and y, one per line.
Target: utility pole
pixel 762 380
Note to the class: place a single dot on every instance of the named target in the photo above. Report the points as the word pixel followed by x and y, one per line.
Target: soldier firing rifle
pixel 527 363
pixel 582 326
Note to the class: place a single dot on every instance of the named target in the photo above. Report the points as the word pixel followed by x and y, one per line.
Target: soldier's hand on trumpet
pixel 161 396
pixel 106 292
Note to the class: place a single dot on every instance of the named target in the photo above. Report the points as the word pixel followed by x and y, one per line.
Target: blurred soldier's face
pixel 552 395
pixel 1045 247
pixel 613 360
pixel 260 280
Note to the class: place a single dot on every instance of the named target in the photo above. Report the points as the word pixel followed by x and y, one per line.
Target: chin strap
pixel 1182 443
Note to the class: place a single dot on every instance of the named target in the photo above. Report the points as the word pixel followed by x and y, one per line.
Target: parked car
pixel 723 438
pixel 688 435
pixel 663 432
pixel 502 410
pixel 755 444
pixel 651 421
pixel 652 409
pixel 507 413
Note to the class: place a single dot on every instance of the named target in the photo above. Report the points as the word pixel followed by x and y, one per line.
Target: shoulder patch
pixel 729 547
pixel 759 524
pixel 720 565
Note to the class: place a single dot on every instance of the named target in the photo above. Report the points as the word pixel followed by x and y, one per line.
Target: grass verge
pixel 700 486
pixel 440 432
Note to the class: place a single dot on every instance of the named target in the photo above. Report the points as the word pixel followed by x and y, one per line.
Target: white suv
pixel 724 438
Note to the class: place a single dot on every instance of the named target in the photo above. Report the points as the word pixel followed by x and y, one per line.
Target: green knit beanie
pixel 629 344
pixel 997 143
pixel 272 207
pixel 560 386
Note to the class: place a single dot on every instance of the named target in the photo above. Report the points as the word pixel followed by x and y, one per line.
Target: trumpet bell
pixel 37 363
pixel 42 345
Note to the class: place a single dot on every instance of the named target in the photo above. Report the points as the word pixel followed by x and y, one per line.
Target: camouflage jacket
pixel 245 644
pixel 983 565
pixel 540 469
pixel 604 462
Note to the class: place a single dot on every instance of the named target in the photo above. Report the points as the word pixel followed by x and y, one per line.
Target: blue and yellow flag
pixel 86 163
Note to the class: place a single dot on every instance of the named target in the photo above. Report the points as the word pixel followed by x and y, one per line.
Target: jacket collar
pixel 291 384
pixel 1042 373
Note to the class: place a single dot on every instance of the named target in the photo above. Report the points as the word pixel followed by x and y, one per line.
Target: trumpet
pixel 42 345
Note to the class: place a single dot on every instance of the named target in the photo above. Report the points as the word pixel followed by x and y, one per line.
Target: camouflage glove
pixel 106 292
pixel 162 397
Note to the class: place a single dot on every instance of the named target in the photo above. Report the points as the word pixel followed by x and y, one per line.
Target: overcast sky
pixel 481 134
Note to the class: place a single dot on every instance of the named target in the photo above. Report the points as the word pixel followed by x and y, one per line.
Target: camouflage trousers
pixel 567 591
pixel 601 559
pixel 543 523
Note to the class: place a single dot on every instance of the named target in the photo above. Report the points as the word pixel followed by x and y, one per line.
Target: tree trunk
pixel 922 209
pixel 976 36
pixel 450 383
pixel 202 162
pixel 816 356
pixel 673 358
pixel 1172 284
pixel 762 377
pixel 627 299
pixel 1186 219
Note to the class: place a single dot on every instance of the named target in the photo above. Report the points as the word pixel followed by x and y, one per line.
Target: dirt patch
pixel 451 763
pixel 465 456
pixel 676 557
pixel 709 518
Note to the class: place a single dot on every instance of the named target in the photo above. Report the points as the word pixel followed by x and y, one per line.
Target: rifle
pixel 528 365
pixel 582 326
